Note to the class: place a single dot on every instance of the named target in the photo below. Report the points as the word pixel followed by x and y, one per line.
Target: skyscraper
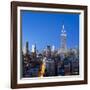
pixel 63 40
pixel 34 48
pixel 26 49
pixel 48 51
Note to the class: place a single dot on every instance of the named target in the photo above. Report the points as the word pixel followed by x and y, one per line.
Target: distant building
pixel 34 48
pixel 75 66
pixel 26 49
pixel 50 67
pixel 51 62
pixel 34 54
pixel 63 37
pixel 67 66
pixel 53 48
pixel 48 51
pixel 60 68
pixel 25 60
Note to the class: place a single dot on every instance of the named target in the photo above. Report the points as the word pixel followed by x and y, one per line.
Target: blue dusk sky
pixel 44 28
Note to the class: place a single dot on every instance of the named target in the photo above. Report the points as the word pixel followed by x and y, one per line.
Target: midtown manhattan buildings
pixel 51 62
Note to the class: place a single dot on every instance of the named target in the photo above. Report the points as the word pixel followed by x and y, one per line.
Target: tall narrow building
pixel 34 48
pixel 26 49
pixel 63 40
pixel 34 54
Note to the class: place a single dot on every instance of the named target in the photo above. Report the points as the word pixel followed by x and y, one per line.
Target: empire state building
pixel 63 37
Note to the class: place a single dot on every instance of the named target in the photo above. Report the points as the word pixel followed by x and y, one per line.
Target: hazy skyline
pixel 44 28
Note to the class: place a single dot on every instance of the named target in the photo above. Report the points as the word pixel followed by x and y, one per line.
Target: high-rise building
pixel 26 49
pixel 48 51
pixel 63 37
pixel 34 54
pixel 53 48
pixel 34 48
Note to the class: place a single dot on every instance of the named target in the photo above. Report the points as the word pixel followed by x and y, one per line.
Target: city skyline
pixel 45 28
